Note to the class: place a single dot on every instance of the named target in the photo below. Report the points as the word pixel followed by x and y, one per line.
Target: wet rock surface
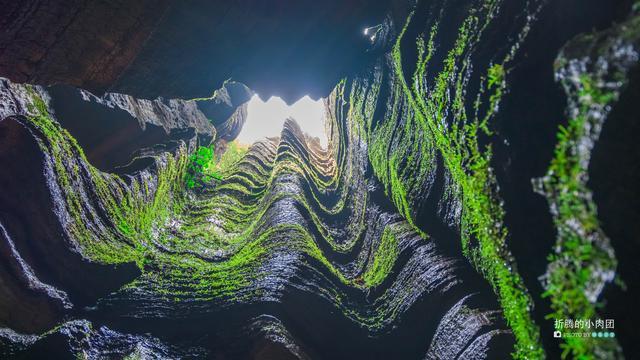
pixel 307 233
pixel 417 233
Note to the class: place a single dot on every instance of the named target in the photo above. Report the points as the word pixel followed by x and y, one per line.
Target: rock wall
pixel 416 234
pixel 186 49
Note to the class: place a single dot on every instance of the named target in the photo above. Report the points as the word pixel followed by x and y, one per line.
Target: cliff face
pixel 219 116
pixel 287 224
pixel 82 43
pixel 185 49
pixel 457 211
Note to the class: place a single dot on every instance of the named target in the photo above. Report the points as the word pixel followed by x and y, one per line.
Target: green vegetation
pixel 174 241
pixel 583 259
pixel 421 122
pixel 203 167
pixel 234 153
pixel 593 73
pixel 217 243
pixel 383 260
pixel 134 208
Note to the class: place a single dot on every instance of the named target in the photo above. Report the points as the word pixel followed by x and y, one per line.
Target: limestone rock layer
pixel 462 206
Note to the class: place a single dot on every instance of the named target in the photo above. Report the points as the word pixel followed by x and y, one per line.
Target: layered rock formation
pixel 416 234
pixel 287 223
pixel 219 116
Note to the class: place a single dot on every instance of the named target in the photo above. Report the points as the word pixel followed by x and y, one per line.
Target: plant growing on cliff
pixel 441 113
pixel 383 260
pixel 201 168
pixel 133 208
pixel 204 169
pixel 583 260
pixel 234 153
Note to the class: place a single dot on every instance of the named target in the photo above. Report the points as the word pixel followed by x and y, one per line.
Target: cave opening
pixel 319 180
pixel 266 118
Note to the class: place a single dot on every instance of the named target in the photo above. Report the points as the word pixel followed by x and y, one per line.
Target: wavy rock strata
pixel 286 227
pixel 411 236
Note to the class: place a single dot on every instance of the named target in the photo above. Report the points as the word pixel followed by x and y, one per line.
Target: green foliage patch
pixel 203 167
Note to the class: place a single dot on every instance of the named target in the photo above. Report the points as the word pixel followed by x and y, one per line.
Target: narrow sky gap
pixel 266 119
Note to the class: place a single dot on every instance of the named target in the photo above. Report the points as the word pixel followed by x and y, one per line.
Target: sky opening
pixel 266 119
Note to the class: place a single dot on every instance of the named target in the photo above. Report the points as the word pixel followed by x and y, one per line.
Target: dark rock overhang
pixel 186 49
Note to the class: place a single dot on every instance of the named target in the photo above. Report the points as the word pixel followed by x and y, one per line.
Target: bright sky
pixel 266 119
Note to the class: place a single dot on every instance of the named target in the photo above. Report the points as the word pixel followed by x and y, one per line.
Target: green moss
pixel 580 252
pixel 203 167
pixel 383 259
pixel 234 153
pixel 132 209
pixel 437 120
pixel 125 228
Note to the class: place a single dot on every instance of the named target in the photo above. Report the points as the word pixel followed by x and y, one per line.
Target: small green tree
pixel 201 168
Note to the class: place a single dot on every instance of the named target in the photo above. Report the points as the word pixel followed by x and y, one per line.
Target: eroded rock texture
pixel 138 228
pixel 287 225
pixel 219 116
pixel 274 47
pixel 82 43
